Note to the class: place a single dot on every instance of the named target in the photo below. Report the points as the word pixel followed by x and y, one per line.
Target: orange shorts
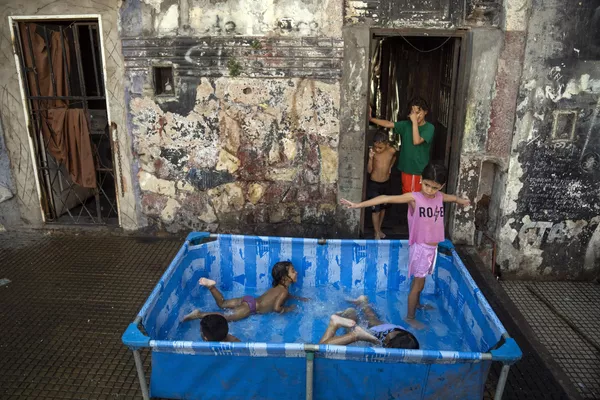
pixel 411 183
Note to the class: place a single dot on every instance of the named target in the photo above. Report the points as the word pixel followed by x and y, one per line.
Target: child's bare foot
pixel 383 235
pixel 196 314
pixel 341 321
pixel 377 236
pixel 361 334
pixel 360 300
pixel 414 323
pixel 207 282
pixel 425 307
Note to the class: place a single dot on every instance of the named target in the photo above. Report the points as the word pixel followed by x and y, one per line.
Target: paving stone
pixel 579 302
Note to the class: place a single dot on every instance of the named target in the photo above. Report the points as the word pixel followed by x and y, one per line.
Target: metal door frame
pixel 20 73
pixel 461 90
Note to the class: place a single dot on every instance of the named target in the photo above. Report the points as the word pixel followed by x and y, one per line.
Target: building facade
pixel 252 117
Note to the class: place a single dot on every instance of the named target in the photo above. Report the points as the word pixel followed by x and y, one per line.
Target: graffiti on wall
pixel 538 233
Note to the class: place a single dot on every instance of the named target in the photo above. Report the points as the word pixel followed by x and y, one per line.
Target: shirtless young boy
pixel 382 157
pixel 273 299
pixel 386 335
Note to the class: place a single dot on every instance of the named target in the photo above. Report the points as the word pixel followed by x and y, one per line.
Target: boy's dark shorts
pixel 375 189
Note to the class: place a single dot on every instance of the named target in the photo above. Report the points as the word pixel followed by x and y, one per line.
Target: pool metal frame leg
pixel 310 357
pixel 501 382
pixel 141 376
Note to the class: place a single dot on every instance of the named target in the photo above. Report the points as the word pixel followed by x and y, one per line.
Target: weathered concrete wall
pixel 551 208
pixel 152 18
pixel 9 209
pixel 354 95
pixel 11 105
pixel 496 67
pixel 249 140
pixel 471 183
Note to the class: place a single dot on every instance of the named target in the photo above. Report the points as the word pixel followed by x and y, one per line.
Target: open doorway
pixel 61 67
pixel 403 67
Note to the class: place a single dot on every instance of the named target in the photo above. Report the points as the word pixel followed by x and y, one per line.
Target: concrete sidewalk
pixel 71 297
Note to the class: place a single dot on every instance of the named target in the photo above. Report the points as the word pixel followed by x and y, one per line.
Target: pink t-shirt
pixel 426 219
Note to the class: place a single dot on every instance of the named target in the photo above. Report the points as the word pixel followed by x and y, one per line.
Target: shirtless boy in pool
pixel 378 332
pixel 273 299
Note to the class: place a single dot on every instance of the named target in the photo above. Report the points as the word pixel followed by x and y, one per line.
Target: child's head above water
pixel 214 328
pixel 401 339
pixel 433 179
pixel 284 273
pixel 380 141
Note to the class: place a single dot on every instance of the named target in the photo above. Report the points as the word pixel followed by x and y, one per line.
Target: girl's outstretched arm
pixel 403 198
pixel 450 198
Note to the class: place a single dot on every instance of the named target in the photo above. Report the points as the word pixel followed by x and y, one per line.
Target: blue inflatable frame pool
pixel 207 370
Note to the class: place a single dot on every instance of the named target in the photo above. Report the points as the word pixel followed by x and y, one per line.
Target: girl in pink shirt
pixel 425 226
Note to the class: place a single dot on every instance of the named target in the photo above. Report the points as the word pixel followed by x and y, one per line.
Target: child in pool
pixel 378 332
pixel 273 299
pixel 214 328
pixel 425 228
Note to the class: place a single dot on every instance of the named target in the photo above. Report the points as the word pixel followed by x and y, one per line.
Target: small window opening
pixel 163 81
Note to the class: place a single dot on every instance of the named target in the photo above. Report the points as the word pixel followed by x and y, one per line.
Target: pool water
pixel 308 322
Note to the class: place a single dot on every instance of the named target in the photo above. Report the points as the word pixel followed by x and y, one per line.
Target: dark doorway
pixel 62 72
pixel 403 67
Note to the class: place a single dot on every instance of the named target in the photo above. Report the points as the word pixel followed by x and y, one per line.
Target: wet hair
pixel 381 136
pixel 214 327
pixel 280 271
pixel 435 172
pixel 403 340
pixel 418 102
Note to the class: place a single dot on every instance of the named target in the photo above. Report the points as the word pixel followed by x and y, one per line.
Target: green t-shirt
pixel 413 159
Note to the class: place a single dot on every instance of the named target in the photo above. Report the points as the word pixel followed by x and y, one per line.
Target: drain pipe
pixel 310 350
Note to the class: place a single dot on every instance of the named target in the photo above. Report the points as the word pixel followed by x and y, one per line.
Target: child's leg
pixel 381 217
pixel 357 333
pixel 354 335
pixel 349 313
pixel 363 303
pixel 414 296
pixel 376 225
pixel 221 302
pixel 371 316
pixel 336 322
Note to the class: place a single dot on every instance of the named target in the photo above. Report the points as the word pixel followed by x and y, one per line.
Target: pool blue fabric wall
pixel 194 370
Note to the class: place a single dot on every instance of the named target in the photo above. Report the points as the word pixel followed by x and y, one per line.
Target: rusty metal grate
pixel 72 56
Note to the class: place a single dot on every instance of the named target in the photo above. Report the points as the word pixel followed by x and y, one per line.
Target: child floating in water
pixel 387 335
pixel 215 328
pixel 425 228
pixel 273 299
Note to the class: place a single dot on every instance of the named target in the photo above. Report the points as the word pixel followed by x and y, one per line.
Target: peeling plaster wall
pixel 551 207
pixel 11 105
pixel 252 156
pixel 9 209
pixel 152 18
pixel 249 141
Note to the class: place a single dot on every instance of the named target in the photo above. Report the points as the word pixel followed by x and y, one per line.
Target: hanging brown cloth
pixel 65 130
